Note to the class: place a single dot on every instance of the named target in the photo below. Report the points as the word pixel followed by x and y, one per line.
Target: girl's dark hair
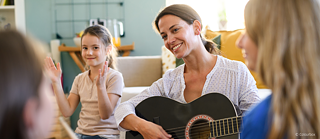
pixel 189 15
pixel 106 38
pixel 20 78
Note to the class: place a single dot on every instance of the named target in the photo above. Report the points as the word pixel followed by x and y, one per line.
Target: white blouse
pixel 229 77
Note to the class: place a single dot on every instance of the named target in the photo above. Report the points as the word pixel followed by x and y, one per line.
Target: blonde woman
pixel 282 43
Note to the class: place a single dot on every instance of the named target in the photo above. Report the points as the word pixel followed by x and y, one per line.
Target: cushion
pixel 217 40
pixel 168 60
pixel 229 48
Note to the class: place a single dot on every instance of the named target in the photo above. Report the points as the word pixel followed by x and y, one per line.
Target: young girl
pixel 281 43
pixel 25 108
pixel 99 89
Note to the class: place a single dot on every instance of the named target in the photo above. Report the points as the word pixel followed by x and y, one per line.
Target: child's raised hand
pixel 102 77
pixel 53 71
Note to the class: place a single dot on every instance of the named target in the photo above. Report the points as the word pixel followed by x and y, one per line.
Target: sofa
pixel 138 73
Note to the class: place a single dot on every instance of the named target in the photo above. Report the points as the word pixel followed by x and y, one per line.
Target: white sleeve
pixel 249 92
pixel 128 107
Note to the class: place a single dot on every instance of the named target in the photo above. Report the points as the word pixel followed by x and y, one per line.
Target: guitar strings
pixel 196 133
pixel 178 132
pixel 239 119
pixel 201 124
pixel 192 135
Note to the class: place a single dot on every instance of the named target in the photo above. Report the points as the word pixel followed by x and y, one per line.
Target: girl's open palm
pixel 54 72
pixel 102 77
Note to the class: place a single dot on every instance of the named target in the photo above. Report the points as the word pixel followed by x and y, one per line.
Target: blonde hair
pixel 20 79
pixel 287 33
pixel 106 38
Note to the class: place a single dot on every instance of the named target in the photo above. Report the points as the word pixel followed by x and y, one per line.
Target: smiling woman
pixel 203 72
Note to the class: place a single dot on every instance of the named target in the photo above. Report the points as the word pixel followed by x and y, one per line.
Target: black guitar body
pixel 174 116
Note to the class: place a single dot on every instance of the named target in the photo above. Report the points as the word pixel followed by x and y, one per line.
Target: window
pixel 215 13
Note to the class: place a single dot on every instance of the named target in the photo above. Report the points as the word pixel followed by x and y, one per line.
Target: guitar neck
pixel 225 126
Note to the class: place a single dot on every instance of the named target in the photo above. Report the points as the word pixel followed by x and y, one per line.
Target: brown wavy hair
pixel 20 76
pixel 287 33
pixel 189 15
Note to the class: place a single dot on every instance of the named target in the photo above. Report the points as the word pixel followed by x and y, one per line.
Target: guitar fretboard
pixel 225 126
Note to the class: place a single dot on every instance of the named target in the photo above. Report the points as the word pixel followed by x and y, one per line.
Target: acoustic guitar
pixel 211 116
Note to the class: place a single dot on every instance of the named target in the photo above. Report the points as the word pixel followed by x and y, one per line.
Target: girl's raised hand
pixel 53 71
pixel 102 77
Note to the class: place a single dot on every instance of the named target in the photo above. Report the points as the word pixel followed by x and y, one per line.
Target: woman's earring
pixel 198 32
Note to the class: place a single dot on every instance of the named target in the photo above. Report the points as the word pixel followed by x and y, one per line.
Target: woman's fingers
pixel 165 133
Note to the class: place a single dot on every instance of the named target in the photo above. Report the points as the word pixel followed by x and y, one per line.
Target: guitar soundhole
pixel 200 130
pixel 198 127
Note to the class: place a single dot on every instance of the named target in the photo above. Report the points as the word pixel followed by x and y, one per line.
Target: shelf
pixel 8 7
pixel 15 15
pixel 91 3
pixel 119 19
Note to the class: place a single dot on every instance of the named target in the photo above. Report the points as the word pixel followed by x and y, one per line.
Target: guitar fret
pixel 222 128
pixel 211 129
pixel 215 128
pixel 226 126
pixel 218 128
pixel 234 124
pixel 230 126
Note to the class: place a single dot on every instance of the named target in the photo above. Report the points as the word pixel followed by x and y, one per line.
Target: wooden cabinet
pixel 15 15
